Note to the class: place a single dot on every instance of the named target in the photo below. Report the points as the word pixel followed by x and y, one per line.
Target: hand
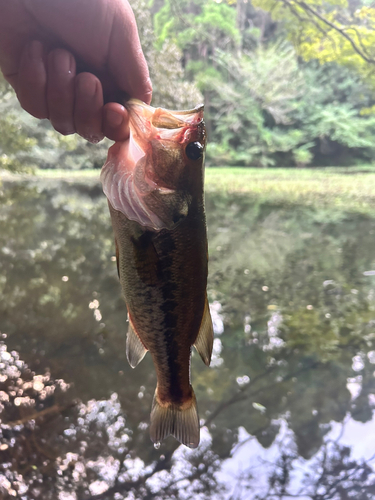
pixel 46 44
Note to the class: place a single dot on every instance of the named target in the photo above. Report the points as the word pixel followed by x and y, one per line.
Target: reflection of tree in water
pixel 331 475
pixel 298 326
pixel 52 447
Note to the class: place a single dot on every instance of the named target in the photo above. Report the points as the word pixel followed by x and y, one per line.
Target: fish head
pixel 173 141
pixel 156 176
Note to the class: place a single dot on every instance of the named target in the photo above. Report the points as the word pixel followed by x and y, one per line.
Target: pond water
pixel 287 405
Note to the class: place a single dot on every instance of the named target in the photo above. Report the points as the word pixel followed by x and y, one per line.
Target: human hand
pixel 64 58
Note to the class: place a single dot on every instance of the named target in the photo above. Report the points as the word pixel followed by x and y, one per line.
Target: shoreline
pixel 349 189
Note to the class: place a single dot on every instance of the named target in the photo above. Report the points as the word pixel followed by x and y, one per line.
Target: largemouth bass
pixel 154 185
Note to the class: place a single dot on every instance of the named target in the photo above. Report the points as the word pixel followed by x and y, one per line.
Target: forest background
pixel 285 83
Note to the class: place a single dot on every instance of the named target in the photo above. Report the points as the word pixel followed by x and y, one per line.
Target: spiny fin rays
pixel 182 423
pixel 205 338
pixel 135 350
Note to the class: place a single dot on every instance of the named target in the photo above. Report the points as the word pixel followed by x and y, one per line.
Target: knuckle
pixel 63 129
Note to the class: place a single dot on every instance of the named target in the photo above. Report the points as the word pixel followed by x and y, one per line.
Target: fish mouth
pixel 146 176
pixel 149 122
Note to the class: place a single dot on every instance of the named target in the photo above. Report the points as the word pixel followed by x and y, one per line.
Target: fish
pixel 154 183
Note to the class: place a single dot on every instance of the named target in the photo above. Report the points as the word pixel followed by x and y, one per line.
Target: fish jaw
pixel 145 119
pixel 149 177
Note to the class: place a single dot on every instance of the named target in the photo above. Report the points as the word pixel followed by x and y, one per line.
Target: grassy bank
pixel 351 189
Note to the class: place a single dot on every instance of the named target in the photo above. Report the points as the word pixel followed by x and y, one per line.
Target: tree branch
pixel 341 31
pixel 52 410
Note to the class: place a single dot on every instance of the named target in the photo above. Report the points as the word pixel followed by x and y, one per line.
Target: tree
pixel 15 142
pixel 335 30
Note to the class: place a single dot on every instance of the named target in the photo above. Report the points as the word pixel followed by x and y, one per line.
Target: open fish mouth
pixel 148 176
pixel 142 115
pixel 148 123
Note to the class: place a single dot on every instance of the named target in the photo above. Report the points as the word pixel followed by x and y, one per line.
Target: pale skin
pixel 67 58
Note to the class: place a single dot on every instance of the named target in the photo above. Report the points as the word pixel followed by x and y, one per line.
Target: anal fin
pixel 135 350
pixel 205 339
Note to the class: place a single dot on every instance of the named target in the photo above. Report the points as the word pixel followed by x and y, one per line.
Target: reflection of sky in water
pixel 250 457
pixel 217 318
pixel 272 330
pixel 251 465
pixel 246 473
pixel 218 324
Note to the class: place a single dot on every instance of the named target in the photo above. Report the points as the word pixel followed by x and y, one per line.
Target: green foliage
pixel 252 109
pixel 288 114
pixel 264 106
pixel 332 31
pixel 287 90
pixel 170 88
pixel 343 125
pixel 199 25
pixel 14 141
pixel 330 114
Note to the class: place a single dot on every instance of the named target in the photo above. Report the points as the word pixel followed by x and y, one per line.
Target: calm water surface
pixel 286 407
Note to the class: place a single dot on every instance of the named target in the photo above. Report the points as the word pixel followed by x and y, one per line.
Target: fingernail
pixel 35 50
pixel 62 61
pixel 114 119
pixel 94 139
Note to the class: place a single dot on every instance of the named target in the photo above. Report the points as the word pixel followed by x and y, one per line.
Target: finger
pixel 60 90
pixel 32 80
pixel 88 107
pixel 115 122
pixel 128 67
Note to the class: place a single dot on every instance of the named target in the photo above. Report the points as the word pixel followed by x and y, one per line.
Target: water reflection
pixel 287 407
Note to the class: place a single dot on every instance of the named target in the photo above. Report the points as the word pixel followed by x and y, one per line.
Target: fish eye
pixel 194 150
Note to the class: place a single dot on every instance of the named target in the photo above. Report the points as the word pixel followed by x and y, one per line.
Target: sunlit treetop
pixel 331 30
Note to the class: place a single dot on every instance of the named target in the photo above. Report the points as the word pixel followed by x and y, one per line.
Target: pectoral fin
pixel 135 350
pixel 205 338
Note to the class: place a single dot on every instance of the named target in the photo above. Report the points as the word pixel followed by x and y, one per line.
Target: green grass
pixel 57 173
pixel 350 189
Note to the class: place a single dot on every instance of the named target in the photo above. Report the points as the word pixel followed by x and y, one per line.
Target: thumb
pixel 126 61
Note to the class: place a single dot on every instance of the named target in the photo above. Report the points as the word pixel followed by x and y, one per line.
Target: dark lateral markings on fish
pixel 154 183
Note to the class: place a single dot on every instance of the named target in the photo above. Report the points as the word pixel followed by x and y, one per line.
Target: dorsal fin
pixel 205 339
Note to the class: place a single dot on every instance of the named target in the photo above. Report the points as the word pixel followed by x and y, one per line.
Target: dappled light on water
pixel 286 407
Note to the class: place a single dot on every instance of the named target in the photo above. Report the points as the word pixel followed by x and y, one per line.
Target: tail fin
pixel 182 423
